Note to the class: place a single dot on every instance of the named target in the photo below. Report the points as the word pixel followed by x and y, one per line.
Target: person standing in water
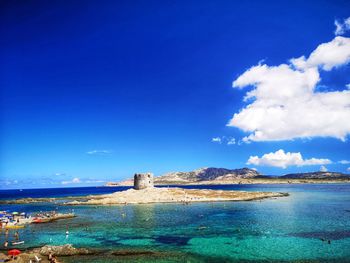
pixel 17 235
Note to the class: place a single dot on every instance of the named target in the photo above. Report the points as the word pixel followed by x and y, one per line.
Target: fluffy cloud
pixel 283 160
pixel 342 27
pixel 284 104
pixel 344 162
pixel 99 152
pixel 348 169
pixel 327 55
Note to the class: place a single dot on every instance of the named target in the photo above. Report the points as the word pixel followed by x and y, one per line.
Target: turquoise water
pixel 283 229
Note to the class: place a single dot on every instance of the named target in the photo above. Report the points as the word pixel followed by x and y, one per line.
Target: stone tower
pixel 142 181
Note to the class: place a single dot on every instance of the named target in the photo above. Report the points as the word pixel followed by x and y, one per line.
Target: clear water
pixel 282 229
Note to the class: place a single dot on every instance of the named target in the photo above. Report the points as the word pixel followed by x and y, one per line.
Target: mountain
pixel 206 174
pixel 316 175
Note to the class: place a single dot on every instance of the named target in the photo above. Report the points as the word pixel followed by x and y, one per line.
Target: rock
pixel 65 250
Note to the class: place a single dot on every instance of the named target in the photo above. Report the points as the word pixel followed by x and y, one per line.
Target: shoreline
pixel 174 195
pixel 153 195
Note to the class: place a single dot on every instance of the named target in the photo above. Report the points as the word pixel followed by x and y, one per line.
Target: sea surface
pixel 312 224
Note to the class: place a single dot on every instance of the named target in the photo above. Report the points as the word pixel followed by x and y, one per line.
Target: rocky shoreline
pixel 68 253
pixel 174 195
pixel 154 195
pixel 42 253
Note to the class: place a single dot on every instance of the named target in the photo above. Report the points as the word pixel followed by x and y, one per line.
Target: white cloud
pixel 231 141
pixel 344 162
pixel 224 139
pixel 323 168
pixel 99 152
pixel 216 139
pixel 328 55
pixel 75 180
pixel 286 105
pixel 283 160
pixel 342 27
pixel 348 169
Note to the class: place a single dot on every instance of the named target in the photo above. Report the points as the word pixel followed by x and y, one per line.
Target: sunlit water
pixel 293 228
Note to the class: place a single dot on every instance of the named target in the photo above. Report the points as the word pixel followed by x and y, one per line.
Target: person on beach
pixel 17 235
pixel 6 244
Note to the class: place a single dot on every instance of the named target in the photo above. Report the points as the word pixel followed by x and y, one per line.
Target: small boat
pixel 37 221
pixel 14 227
pixel 41 220
pixel 18 243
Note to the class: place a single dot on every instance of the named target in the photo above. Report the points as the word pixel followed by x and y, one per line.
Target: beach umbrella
pixel 15 213
pixel 14 252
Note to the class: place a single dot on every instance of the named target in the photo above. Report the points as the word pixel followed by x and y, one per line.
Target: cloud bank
pixel 283 160
pixel 284 104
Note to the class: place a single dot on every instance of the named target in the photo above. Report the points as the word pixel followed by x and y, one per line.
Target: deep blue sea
pixel 312 224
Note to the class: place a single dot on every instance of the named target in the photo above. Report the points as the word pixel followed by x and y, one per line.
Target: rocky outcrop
pixel 65 250
pixel 175 195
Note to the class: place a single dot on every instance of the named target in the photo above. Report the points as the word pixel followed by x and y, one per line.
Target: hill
pixel 206 174
pixel 214 175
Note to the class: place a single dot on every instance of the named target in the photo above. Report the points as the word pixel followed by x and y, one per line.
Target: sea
pixel 312 224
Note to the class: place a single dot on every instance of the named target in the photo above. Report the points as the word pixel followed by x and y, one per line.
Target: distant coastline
pixel 223 176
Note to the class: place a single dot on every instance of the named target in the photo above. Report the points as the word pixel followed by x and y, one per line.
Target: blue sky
pixel 95 91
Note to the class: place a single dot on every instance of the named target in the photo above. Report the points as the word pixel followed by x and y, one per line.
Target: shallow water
pixel 284 229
